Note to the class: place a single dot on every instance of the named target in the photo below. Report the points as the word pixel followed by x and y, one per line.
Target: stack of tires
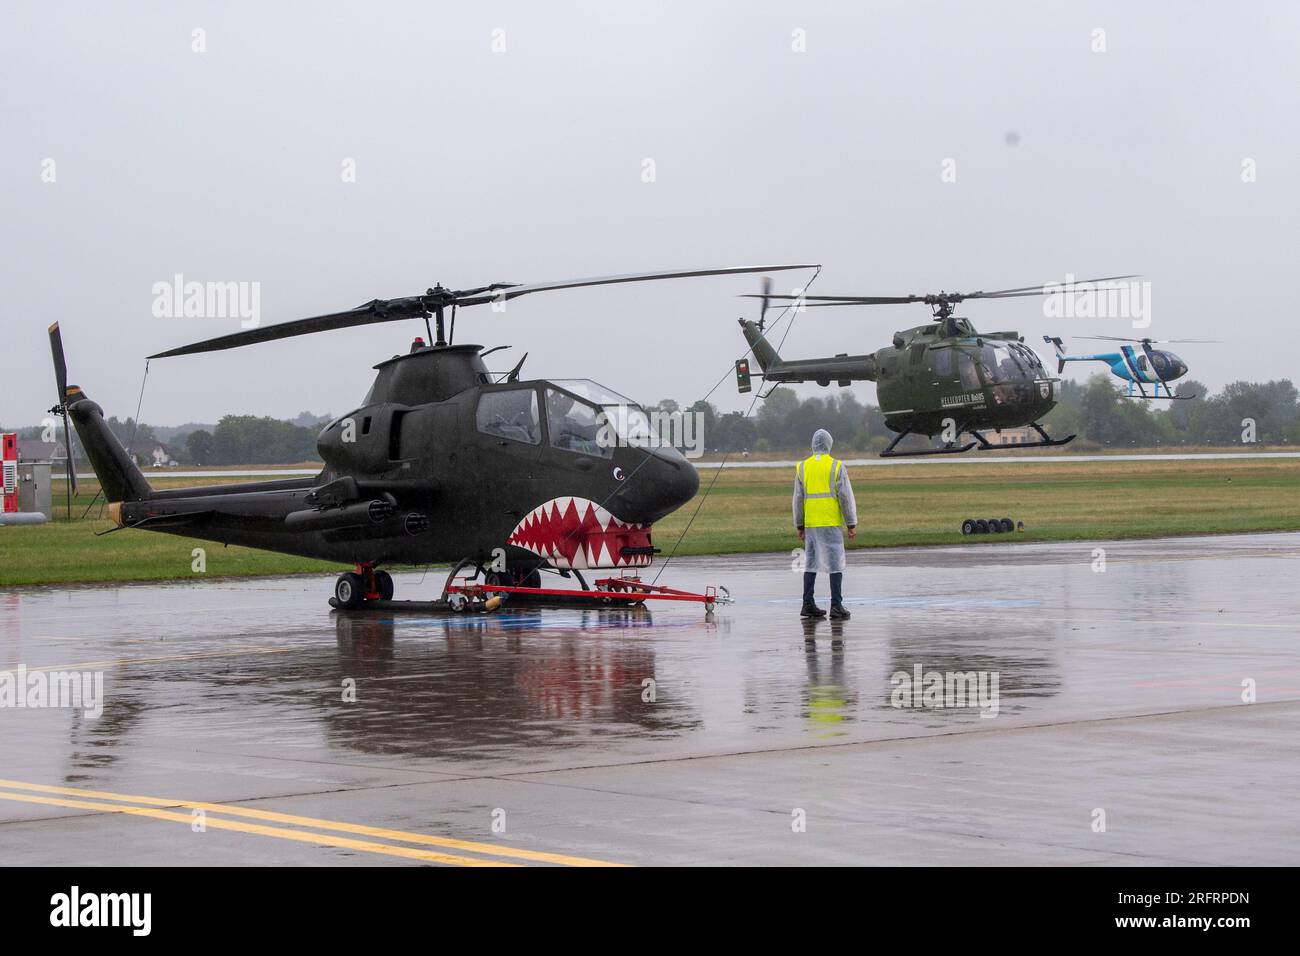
pixel 989 526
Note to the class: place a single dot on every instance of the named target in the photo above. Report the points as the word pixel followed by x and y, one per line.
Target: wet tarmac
pixel 1144 714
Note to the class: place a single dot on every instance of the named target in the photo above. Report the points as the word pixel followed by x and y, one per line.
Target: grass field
pixel 748 509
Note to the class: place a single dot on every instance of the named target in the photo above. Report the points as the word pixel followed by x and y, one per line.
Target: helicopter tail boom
pixel 119 476
pixel 841 369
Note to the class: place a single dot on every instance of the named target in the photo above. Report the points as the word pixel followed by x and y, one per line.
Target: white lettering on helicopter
pixel 965 398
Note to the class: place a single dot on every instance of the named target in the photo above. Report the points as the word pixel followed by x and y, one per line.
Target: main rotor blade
pixel 843 299
pixel 507 292
pixel 1043 290
pixel 60 366
pixel 418 306
pixel 934 298
pixel 1119 338
pixel 378 310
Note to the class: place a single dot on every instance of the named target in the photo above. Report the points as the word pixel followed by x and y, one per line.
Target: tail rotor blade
pixel 72 465
pixel 767 298
pixel 60 366
pixel 61 380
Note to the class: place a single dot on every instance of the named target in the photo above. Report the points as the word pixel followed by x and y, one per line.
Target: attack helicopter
pixel 442 462
pixel 942 378
pixel 1154 367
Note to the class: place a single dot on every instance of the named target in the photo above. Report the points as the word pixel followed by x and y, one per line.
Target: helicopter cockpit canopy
pixel 1003 362
pixel 1166 364
pixel 581 416
pixel 625 417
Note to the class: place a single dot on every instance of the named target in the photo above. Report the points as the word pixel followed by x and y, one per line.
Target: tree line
pixel 1096 410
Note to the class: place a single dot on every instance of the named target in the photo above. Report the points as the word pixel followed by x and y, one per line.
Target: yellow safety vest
pixel 821 505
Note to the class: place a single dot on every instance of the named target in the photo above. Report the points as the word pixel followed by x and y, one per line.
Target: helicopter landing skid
pixel 1047 440
pixel 952 448
pixel 982 443
pixel 1165 398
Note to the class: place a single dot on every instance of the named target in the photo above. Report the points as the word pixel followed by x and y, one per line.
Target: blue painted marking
pixel 533 622
pixel 926 602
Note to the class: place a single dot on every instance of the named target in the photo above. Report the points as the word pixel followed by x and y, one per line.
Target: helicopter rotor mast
pixel 434 303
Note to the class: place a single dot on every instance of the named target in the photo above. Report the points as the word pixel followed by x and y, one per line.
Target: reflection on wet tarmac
pixel 241 683
pixel 482 689
pixel 522 687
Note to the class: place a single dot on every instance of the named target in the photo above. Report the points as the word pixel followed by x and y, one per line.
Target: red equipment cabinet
pixel 9 476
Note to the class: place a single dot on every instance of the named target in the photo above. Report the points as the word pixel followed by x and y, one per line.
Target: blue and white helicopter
pixel 1149 366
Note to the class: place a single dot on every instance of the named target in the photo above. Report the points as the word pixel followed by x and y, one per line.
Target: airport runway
pixel 1117 735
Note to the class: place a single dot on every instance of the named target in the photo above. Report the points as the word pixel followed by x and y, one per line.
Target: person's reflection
pixel 827 700
pixel 810 635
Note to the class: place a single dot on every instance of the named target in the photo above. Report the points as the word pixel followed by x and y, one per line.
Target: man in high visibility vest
pixel 823 505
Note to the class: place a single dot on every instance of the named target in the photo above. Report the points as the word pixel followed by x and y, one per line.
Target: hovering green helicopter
pixel 943 378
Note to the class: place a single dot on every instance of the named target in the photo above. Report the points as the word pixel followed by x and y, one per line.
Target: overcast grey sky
pixel 474 165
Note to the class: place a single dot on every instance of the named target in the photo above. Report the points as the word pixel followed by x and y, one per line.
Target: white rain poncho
pixel 824 547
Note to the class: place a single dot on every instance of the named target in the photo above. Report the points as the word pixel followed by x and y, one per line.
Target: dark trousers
pixel 837 582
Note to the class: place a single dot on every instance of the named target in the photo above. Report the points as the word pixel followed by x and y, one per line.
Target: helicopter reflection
pixel 497 684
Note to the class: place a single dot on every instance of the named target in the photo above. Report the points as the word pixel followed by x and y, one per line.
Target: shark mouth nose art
pixel 576 533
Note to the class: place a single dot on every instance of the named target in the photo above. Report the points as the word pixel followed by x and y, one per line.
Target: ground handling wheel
pixel 995 526
pixel 981 526
pixel 349 590
pixel 968 526
pixel 1008 525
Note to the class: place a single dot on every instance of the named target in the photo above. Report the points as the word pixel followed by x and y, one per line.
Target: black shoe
pixel 812 610
pixel 839 612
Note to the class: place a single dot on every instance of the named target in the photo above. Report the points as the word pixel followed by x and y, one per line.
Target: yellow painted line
pixel 339 826
pixel 299 836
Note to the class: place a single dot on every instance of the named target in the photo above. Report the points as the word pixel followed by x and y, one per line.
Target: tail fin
pixel 1061 357
pixel 118 475
pixel 762 348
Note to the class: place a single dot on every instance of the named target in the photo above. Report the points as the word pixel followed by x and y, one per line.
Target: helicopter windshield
pixel 593 392
pixel 1029 358
pixel 1008 362
pixel 575 425
pixel 625 417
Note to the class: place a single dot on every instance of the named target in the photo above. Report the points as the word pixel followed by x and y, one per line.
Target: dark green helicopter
pixel 442 462
pixel 943 378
